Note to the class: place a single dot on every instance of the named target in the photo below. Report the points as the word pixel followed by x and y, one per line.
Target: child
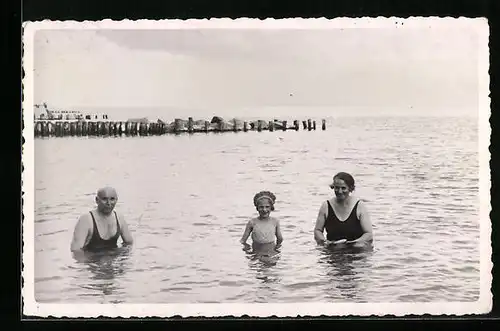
pixel 263 228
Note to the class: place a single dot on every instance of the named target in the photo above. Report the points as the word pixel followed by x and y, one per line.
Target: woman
pixel 344 217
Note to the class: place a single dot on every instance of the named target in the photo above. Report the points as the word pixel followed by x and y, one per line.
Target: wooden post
pixel 323 125
pixel 66 129
pixel 47 127
pixel 309 125
pixel 58 129
pixel 128 128
pixel 207 125
pixel 304 125
pixel 72 129
pixel 79 126
pixel 38 129
pixel 245 126
pixel 296 125
pixel 177 125
pixel 111 128
pixel 314 125
pixel 190 125
pixel 284 125
pixel 235 127
pixel 142 129
pixel 107 128
pixel 52 129
pixel 85 128
pixel 99 130
pixel 259 126
pixel 271 126
pixel 220 126
pixel 90 128
pixel 102 129
pixel 43 126
pixel 134 128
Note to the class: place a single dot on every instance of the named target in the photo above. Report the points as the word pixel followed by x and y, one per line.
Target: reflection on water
pixel 261 258
pixel 104 268
pixel 263 263
pixel 347 268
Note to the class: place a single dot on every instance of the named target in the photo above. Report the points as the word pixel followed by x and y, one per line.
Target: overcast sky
pixel 334 71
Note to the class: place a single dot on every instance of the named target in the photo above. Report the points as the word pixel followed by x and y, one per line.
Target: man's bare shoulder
pixel 85 217
pixel 85 220
pixel 120 216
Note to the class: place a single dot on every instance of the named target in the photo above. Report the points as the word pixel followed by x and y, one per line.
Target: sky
pixel 162 73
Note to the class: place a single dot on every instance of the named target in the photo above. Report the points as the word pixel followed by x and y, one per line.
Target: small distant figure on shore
pixel 99 229
pixel 264 228
pixel 345 218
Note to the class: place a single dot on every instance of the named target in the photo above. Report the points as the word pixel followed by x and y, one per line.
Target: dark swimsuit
pixel 96 243
pixel 350 229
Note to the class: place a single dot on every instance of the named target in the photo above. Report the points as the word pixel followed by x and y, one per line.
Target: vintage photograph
pixel 256 167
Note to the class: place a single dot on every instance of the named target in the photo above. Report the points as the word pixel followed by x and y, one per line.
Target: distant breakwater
pixel 83 128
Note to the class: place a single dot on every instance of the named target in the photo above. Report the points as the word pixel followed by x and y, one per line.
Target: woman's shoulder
pixel 360 205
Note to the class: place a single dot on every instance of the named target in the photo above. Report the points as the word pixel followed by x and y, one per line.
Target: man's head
pixel 106 199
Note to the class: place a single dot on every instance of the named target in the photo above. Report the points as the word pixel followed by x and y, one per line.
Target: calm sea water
pixel 187 199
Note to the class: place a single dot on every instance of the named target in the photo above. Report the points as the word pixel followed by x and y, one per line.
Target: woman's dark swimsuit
pixel 350 229
pixel 96 243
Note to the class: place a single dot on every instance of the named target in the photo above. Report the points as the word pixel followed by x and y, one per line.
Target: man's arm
pixel 320 225
pixel 80 234
pixel 125 232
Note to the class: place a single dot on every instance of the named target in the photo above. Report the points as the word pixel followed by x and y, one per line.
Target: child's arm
pixel 279 236
pixel 246 234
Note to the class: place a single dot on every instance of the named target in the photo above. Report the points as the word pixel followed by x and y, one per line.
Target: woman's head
pixel 343 184
pixel 264 200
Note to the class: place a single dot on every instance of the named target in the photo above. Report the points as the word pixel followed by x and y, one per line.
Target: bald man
pixel 100 229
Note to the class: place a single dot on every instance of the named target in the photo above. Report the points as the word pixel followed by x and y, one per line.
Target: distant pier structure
pixel 142 127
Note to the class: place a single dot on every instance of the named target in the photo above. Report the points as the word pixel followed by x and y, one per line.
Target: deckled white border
pixel 483 305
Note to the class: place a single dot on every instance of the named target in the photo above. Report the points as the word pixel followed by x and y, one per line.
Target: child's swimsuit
pixel 263 232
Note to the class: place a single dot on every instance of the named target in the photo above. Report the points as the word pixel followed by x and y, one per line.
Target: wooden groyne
pixel 82 128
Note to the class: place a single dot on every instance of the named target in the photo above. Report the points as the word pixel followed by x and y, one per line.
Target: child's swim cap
pixel 264 195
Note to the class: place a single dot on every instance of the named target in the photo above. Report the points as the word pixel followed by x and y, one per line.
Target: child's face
pixel 264 208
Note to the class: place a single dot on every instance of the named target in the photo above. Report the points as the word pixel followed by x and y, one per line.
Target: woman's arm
pixel 246 234
pixel 320 225
pixel 366 224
